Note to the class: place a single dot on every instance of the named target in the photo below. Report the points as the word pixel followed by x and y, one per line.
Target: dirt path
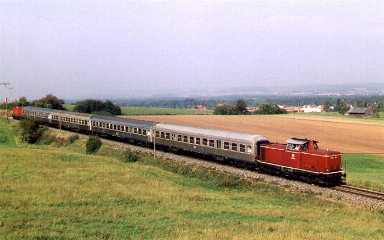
pixel 348 137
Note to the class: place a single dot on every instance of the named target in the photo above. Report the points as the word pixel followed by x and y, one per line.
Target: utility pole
pixel 6 85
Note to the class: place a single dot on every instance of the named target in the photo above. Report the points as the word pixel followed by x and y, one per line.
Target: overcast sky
pixel 90 48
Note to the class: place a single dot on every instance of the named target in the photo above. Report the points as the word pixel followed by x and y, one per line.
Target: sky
pixel 127 48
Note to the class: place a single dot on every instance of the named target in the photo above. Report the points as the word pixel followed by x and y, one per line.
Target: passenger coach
pixel 217 143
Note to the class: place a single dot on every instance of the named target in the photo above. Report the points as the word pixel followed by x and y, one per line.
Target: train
pixel 299 158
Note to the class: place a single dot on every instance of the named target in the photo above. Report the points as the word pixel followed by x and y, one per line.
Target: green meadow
pixel 56 191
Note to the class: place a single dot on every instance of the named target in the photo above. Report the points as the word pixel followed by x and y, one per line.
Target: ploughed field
pixel 333 133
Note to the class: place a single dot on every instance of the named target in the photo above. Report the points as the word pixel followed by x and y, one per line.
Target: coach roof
pixel 210 133
pixel 124 121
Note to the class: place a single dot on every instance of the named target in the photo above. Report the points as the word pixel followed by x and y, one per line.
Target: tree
pixel 327 106
pixel 241 106
pixel 270 108
pixel 93 144
pixel 341 106
pixel 225 109
pixel 97 106
pixel 49 101
pixel 22 101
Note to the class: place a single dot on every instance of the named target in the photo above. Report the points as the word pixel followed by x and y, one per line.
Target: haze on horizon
pixel 88 48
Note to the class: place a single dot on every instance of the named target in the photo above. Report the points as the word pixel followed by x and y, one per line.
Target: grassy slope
pixel 48 192
pixel 365 170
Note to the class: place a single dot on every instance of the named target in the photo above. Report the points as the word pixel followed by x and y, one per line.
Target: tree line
pixel 86 106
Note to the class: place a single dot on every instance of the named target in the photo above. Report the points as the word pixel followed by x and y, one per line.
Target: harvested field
pixel 345 136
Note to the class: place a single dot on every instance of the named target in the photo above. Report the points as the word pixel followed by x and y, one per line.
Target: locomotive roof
pixel 215 133
pixel 124 121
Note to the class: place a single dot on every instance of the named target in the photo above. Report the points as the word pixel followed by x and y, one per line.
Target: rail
pixel 360 192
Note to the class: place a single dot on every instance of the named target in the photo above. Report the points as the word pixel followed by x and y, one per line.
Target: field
pixel 162 111
pixel 51 192
pixel 155 111
pixel 345 135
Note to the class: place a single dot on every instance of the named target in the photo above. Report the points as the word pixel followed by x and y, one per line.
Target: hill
pixel 52 192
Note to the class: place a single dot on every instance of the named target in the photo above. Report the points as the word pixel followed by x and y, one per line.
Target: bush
pixel 93 144
pixel 129 156
pixel 73 138
pixel 30 131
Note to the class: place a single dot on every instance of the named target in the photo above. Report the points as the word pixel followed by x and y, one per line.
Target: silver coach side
pixel 217 143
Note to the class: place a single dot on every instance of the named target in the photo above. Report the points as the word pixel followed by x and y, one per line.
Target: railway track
pixel 360 192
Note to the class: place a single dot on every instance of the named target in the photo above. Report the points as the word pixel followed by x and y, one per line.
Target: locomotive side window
pixel 212 143
pixel 205 141
pixel 198 141
pixel 191 140
pixel 242 148
pixel 218 144
pixel 226 145
pixel 234 147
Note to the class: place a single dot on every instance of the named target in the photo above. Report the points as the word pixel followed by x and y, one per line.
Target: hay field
pixel 342 135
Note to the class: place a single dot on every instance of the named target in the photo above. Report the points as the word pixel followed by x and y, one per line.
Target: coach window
pixel 185 139
pixel 212 143
pixel 144 132
pixel 198 141
pixel 179 138
pixel 162 135
pixel 218 144
pixel 140 131
pixel 234 147
pixel 191 140
pixel 205 141
pixel 226 145
pixel 167 136
pixel 242 148
pixel 157 134
pixel 135 130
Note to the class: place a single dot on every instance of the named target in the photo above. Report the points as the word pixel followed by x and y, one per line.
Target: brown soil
pixel 346 137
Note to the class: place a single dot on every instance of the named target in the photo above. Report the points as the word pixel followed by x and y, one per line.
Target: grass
pixel 365 170
pixel 162 111
pixel 53 192
pixel 334 116
pixel 131 110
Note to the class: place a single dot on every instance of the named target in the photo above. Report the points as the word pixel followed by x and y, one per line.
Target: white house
pixel 311 108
